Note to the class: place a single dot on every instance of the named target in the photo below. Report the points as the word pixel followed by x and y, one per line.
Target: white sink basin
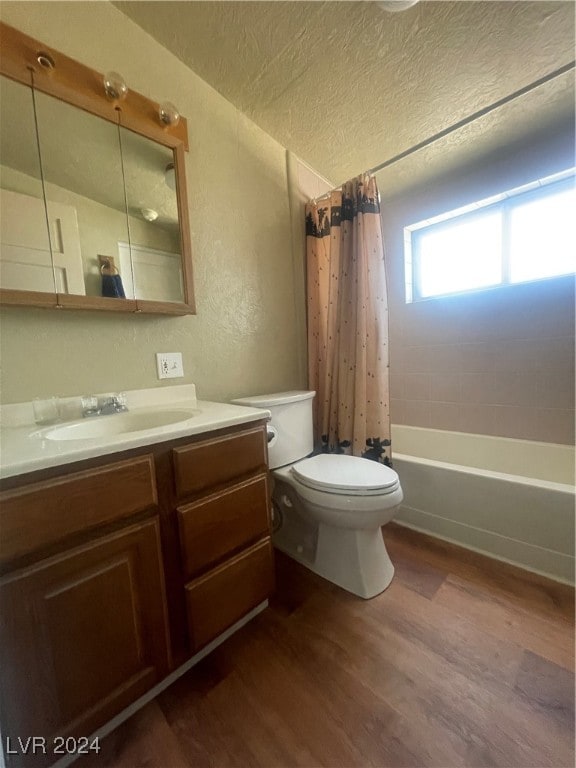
pixel 118 424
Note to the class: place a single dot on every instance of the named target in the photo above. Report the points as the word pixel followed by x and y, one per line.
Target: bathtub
pixel 510 499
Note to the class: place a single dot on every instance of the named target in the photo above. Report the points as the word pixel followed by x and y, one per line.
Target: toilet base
pixel 355 560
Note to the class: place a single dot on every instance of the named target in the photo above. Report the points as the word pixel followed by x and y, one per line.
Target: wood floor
pixel 463 661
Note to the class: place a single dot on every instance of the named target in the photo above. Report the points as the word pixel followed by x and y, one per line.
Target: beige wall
pixel 244 338
pixel 494 362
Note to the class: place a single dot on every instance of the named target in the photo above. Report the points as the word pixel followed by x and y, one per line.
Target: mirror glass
pixel 154 252
pixel 109 226
pixel 25 257
pixel 82 168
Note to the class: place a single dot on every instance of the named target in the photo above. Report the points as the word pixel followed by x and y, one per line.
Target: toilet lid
pixel 338 473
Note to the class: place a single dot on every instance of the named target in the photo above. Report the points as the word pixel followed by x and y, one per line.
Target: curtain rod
pixel 465 121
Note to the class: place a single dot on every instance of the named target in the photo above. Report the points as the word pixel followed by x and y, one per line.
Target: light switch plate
pixel 169 365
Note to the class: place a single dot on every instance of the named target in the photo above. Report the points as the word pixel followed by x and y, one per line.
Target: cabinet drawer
pixel 212 462
pixel 221 597
pixel 218 524
pixel 40 514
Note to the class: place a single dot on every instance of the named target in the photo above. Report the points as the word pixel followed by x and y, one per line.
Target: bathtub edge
pixel 558 558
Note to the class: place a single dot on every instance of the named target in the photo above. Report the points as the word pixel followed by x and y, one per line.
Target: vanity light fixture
pixel 115 86
pixel 168 114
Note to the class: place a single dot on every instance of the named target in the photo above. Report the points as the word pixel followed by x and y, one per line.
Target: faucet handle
pixel 114 402
pixel 89 404
pixel 121 399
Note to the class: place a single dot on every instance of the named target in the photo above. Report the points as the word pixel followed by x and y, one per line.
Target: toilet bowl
pixel 333 493
pixel 329 508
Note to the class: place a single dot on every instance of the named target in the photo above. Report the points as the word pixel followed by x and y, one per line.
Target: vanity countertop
pixel 25 447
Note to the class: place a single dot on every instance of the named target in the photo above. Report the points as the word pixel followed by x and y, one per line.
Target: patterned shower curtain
pixel 348 322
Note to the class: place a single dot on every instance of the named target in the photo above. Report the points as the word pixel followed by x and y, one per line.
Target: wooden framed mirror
pixel 92 192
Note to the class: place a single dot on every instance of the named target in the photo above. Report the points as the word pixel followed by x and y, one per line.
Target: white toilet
pixel 328 508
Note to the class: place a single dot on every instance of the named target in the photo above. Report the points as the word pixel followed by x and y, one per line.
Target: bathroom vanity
pixel 120 567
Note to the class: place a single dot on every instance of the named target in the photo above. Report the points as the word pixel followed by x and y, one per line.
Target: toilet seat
pixel 344 475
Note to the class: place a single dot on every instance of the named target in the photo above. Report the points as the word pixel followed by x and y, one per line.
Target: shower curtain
pixel 348 322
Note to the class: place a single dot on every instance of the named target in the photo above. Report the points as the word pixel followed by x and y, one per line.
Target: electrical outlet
pixel 169 365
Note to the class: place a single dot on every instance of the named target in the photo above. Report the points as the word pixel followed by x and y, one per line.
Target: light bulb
pixel 393 6
pixel 149 214
pixel 115 86
pixel 168 114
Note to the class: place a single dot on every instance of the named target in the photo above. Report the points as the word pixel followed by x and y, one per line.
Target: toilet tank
pixel 290 429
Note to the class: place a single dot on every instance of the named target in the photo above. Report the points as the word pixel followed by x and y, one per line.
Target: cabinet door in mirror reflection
pixel 152 258
pixel 25 257
pixel 82 168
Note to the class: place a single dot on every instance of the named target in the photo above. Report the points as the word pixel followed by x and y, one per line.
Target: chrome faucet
pixel 113 404
pixel 104 406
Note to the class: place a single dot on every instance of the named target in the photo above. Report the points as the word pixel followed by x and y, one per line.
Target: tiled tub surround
pixel 521 388
pixel 496 362
pixel 511 499
pixel 24 447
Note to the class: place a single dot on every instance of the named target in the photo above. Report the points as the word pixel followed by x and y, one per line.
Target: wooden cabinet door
pixel 82 635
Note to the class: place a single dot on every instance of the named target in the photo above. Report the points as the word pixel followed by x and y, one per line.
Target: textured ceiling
pixel 346 85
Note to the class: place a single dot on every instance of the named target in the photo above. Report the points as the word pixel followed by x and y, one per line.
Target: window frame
pixel 505 203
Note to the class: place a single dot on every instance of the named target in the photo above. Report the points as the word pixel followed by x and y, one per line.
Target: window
pixel 521 235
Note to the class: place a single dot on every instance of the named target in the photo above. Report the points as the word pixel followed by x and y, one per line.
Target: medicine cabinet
pixel 93 202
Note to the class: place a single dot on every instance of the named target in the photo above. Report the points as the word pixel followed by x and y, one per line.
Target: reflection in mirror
pixel 25 258
pixel 154 252
pixel 82 169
